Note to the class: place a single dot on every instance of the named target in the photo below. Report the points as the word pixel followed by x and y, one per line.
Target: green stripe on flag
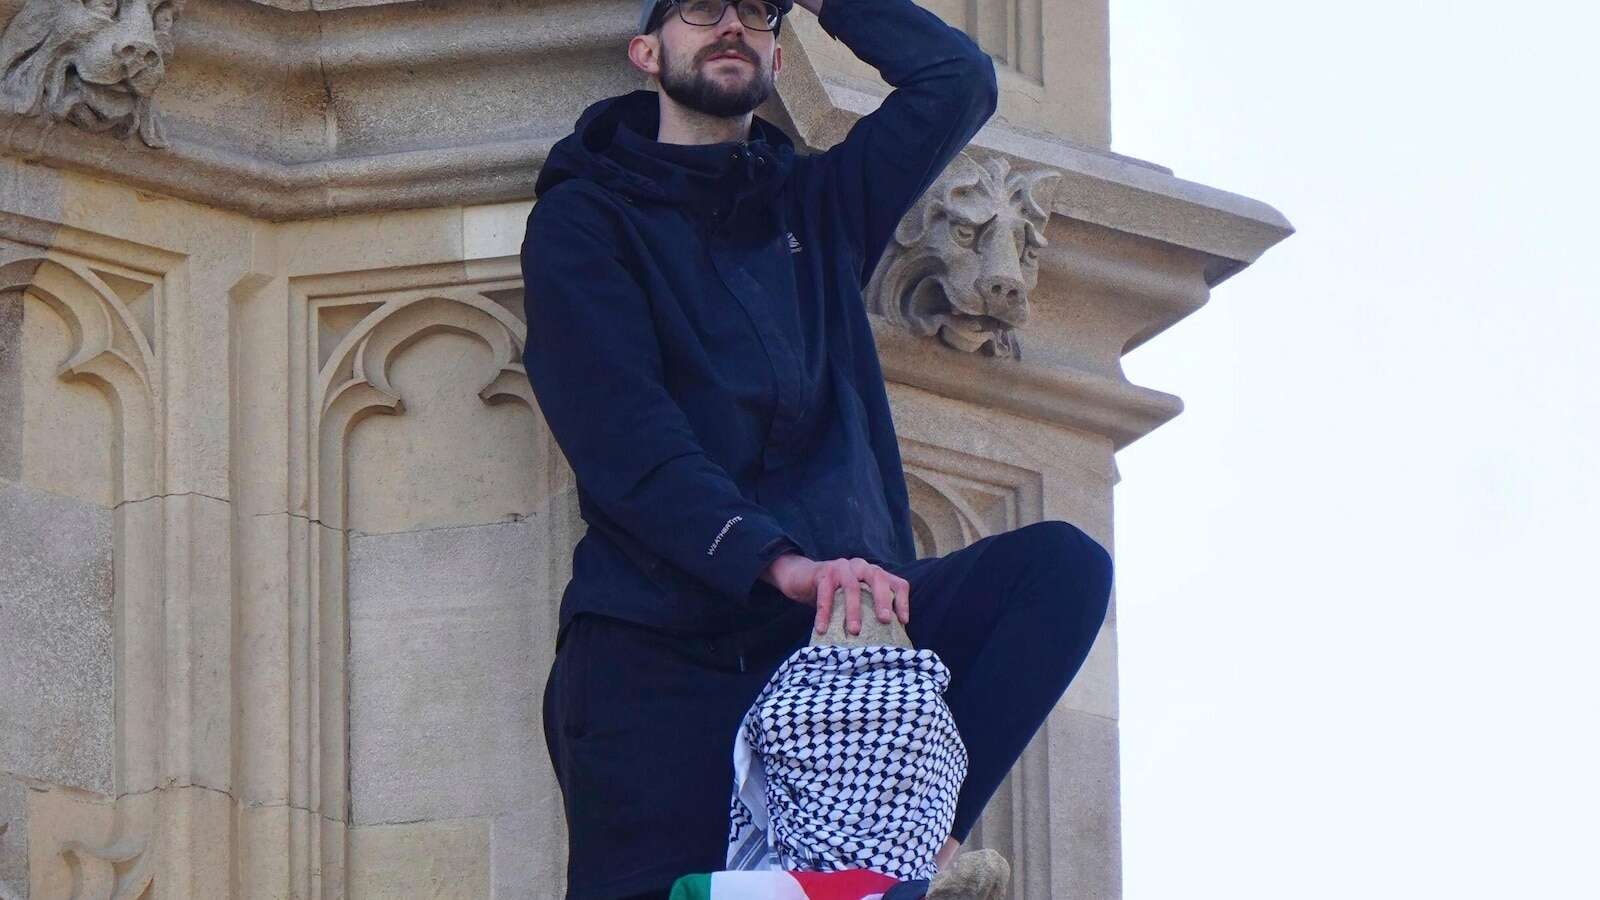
pixel 691 887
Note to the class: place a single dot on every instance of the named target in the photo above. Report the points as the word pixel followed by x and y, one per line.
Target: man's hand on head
pixel 813 582
pixel 814 6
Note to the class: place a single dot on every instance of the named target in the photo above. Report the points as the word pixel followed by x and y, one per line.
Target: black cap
pixel 649 8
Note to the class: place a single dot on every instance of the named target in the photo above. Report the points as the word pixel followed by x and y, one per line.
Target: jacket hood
pixel 613 144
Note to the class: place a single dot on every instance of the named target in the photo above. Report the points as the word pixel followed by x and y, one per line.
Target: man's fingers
pixel 883 596
pixel 902 599
pixel 852 605
pixel 824 600
pixel 891 594
pixel 861 569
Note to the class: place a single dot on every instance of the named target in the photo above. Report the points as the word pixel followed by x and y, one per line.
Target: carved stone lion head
pixel 94 63
pixel 965 257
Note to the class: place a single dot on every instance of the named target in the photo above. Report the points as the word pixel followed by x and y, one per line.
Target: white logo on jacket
pixel 713 548
pixel 794 243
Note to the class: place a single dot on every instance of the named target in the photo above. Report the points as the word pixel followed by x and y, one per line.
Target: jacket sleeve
pixel 595 365
pixel 944 90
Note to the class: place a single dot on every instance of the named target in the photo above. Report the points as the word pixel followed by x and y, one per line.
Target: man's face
pixel 722 70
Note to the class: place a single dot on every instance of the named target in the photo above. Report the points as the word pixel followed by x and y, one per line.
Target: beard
pixel 704 93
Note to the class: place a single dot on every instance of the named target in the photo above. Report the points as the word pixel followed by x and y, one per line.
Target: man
pixel 701 353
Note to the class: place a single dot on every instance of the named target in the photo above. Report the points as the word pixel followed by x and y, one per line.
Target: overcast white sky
pixel 1360 621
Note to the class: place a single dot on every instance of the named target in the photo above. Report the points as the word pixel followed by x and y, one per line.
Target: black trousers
pixel 640 723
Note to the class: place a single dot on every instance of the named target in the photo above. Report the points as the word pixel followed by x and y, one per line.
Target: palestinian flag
pixel 855 884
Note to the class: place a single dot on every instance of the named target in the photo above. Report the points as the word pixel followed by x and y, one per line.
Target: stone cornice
pixel 297 109
pixel 325 5
pixel 1136 197
pixel 1067 396
pixel 1119 192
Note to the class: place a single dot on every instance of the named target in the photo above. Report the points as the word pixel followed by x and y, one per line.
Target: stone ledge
pixel 1059 395
pixel 301 109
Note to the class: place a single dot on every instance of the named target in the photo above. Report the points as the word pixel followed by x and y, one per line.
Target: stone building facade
pixel 270 469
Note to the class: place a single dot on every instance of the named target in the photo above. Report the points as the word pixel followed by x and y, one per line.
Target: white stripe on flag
pixel 755 886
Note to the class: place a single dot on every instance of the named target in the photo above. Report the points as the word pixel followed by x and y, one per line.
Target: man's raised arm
pixel 595 365
pixel 944 90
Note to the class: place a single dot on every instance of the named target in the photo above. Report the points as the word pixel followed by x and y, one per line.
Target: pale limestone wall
pixel 282 534
pixel 1052 59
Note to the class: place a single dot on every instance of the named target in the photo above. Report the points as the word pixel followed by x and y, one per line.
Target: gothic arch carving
pixel 355 382
pixel 350 331
pixel 938 522
pixel 957 498
pixel 109 350
pixel 112 352
pixel 119 870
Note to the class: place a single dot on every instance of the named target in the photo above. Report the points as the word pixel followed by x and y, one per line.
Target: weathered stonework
pixel 963 260
pixel 280 523
pixel 55 613
pixel 93 63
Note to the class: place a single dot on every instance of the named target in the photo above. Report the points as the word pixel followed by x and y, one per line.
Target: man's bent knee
pixel 1085 566
pixel 1064 541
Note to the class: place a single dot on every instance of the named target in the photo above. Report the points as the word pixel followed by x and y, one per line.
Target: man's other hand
pixel 813 583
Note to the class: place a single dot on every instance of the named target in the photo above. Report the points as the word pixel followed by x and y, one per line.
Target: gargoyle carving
pixel 965 257
pixel 94 63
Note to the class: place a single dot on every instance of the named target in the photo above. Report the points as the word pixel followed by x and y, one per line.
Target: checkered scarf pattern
pixel 849 758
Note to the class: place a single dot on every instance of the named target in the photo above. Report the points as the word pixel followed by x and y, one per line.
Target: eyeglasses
pixel 754 14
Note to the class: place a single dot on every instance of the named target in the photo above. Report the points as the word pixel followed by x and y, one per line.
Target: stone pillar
pixel 281 531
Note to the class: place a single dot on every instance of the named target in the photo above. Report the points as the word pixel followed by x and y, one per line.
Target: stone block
pixel 268 597
pixel 443 860
pixel 64 823
pixel 494 230
pixel 56 674
pixel 13 839
pixel 68 428
pixel 529 853
pixel 1094 688
pixel 199 581
pixel 263 848
pixel 1085 802
pixel 443 680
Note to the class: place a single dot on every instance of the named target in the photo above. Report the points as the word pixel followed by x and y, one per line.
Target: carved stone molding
pixel 963 260
pixel 355 338
pixel 1011 30
pixel 109 297
pixel 110 349
pixel 120 870
pixel 347 332
pixel 957 498
pixel 86 847
pixel 95 64
pixel 1097 187
pixel 299 109
pixel 354 382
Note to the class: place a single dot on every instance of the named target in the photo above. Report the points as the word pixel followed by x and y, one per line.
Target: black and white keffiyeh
pixel 849 758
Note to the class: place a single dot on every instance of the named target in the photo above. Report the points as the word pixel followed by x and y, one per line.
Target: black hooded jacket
pixel 697 339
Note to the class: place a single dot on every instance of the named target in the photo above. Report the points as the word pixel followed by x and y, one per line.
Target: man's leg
pixel 640 725
pixel 1012 616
